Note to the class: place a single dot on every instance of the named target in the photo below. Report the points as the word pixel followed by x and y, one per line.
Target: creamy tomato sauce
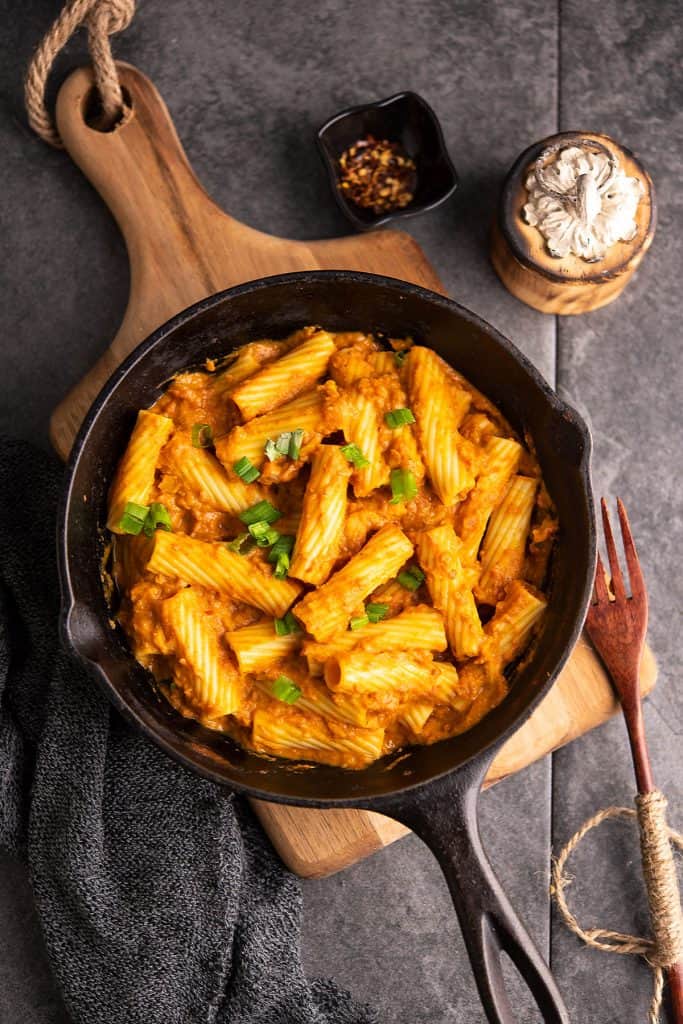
pixel 410 648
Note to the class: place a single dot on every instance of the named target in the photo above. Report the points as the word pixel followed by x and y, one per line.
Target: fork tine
pixel 614 567
pixel 634 571
pixel 601 592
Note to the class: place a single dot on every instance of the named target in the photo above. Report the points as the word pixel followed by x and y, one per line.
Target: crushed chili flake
pixel 377 175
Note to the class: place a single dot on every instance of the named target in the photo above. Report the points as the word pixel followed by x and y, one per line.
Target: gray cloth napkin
pixel 159 896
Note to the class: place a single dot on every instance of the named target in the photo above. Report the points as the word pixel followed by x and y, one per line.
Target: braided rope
pixel 657 838
pixel 102 18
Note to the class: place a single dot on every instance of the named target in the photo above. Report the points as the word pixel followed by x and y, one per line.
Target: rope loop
pixel 657 839
pixel 102 18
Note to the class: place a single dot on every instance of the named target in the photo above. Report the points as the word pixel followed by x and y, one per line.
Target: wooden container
pixel 570 283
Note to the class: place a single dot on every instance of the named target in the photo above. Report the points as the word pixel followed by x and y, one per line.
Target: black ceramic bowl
pixel 432 789
pixel 404 118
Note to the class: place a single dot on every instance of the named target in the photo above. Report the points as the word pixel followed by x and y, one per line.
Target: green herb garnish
pixel 263 533
pixel 411 578
pixel 288 443
pixel 137 519
pixel 287 625
pixel 202 435
pixel 262 511
pixel 403 486
pixel 285 689
pixel 242 544
pixel 246 470
pixel 353 454
pixel 376 612
pixel 279 555
pixel 398 418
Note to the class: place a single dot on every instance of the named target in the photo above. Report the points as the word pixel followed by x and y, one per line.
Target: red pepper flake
pixel 377 175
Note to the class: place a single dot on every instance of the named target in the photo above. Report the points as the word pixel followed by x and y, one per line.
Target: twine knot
pixel 102 18
pixel 659 871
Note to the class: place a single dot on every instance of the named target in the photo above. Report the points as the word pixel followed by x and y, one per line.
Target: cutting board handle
pixel 141 171
pixel 168 222
pixel 181 245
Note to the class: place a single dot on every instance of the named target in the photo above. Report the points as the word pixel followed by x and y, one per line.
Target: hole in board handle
pixel 93 114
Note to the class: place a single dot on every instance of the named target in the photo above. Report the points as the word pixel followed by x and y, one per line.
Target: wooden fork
pixel 617 625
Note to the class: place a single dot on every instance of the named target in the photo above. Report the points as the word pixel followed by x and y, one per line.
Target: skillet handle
pixel 444 815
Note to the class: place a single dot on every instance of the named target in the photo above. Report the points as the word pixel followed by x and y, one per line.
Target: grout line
pixel 558 127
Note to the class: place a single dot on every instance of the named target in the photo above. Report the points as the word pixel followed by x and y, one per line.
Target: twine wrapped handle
pixel 659 871
pixel 102 18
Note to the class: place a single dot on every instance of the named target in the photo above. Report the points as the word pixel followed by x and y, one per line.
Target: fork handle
pixel 659 869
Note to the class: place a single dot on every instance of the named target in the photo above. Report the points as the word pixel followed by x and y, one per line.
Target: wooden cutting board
pixel 182 247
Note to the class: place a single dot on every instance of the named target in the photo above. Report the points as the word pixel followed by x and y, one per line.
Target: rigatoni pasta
pixel 134 477
pixel 329 547
pixel 203 668
pixel 323 514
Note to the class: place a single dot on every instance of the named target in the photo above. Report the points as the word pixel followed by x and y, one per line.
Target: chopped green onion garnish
pixel 263 533
pixel 147 518
pixel 262 511
pixel 401 356
pixel 157 519
pixel 133 518
pixel 282 546
pixel 286 689
pixel 242 544
pixel 271 451
pixel 353 453
pixel 282 442
pixel 359 622
pixel 202 435
pixel 281 567
pixel 398 418
pixel 295 444
pixel 286 625
pixel 279 555
pixel 376 612
pixel 246 470
pixel 403 486
pixel 411 578
pixel 286 443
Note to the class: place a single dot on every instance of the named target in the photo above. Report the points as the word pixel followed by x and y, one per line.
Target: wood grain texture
pixel 181 248
pixel 569 285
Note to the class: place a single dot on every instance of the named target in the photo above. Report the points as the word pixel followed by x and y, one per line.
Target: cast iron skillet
pixel 433 790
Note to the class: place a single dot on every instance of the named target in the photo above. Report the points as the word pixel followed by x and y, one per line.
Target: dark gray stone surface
pixel 247 83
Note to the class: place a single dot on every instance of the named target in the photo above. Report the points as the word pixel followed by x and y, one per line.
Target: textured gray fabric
pixel 160 899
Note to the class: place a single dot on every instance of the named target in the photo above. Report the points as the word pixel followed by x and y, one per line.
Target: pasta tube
pixel 327 611
pixel 516 616
pixel 438 553
pixel 303 413
pixel 201 471
pixel 249 359
pixel 134 477
pixel 501 460
pixel 203 668
pixel 375 676
pixel 321 528
pixel 259 647
pixel 292 735
pixel 415 715
pixel 283 379
pixel 439 405
pixel 214 566
pixel 504 547
pixel 361 426
pixel 417 628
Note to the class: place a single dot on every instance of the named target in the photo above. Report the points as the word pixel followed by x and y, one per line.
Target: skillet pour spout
pixel 431 789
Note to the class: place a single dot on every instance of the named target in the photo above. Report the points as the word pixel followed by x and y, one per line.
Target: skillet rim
pixel 559 408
